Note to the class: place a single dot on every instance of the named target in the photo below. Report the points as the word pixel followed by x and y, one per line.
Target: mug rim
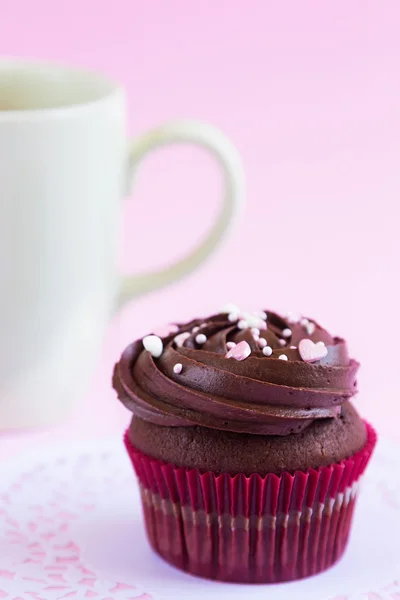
pixel 102 87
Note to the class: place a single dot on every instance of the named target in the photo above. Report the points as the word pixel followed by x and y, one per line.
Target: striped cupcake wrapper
pixel 250 529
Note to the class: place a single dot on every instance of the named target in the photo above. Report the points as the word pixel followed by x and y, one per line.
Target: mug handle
pixel 227 156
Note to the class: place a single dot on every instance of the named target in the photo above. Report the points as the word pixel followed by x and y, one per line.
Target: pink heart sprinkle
pixel 241 351
pixel 311 352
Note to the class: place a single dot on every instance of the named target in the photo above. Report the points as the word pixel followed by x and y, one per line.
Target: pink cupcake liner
pixel 250 529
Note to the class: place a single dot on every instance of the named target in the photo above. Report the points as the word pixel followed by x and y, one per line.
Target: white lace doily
pixel 71 527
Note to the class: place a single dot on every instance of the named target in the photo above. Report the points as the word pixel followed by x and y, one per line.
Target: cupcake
pixel 245 443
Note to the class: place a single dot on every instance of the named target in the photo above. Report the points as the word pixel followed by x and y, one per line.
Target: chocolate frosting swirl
pixel 259 394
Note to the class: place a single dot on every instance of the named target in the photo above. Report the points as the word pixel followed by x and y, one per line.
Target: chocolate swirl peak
pixel 258 373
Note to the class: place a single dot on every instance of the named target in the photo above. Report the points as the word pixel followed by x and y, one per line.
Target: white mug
pixel 65 162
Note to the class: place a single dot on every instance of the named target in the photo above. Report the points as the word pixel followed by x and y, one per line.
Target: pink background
pixel 310 94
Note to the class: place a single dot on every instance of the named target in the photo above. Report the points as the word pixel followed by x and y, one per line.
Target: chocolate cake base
pixel 322 443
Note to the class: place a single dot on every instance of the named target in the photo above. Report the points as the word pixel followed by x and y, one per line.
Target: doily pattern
pixel 42 499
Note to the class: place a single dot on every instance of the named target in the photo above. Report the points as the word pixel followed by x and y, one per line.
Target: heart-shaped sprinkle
pixel 241 351
pixel 310 328
pixel 154 345
pixel 165 330
pixel 181 338
pixel 311 352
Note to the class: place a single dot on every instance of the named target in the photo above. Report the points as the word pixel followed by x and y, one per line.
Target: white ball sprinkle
pixel 243 324
pixel 283 357
pixel 201 338
pixel 304 322
pixel 254 321
pixel 282 342
pixel 262 314
pixel 255 331
pixel 154 345
pixel 233 316
pixel 293 347
pixel 195 329
pixel 178 368
pixel 230 345
pixel 267 351
pixel 262 342
pixel 287 333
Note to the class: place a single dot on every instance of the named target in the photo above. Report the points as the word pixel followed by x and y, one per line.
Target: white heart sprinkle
pixel 283 357
pixel 241 351
pixel 267 351
pixel 181 338
pixel 154 345
pixel 201 338
pixel 311 352
pixel 287 333
pixel 178 368
pixel 310 328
